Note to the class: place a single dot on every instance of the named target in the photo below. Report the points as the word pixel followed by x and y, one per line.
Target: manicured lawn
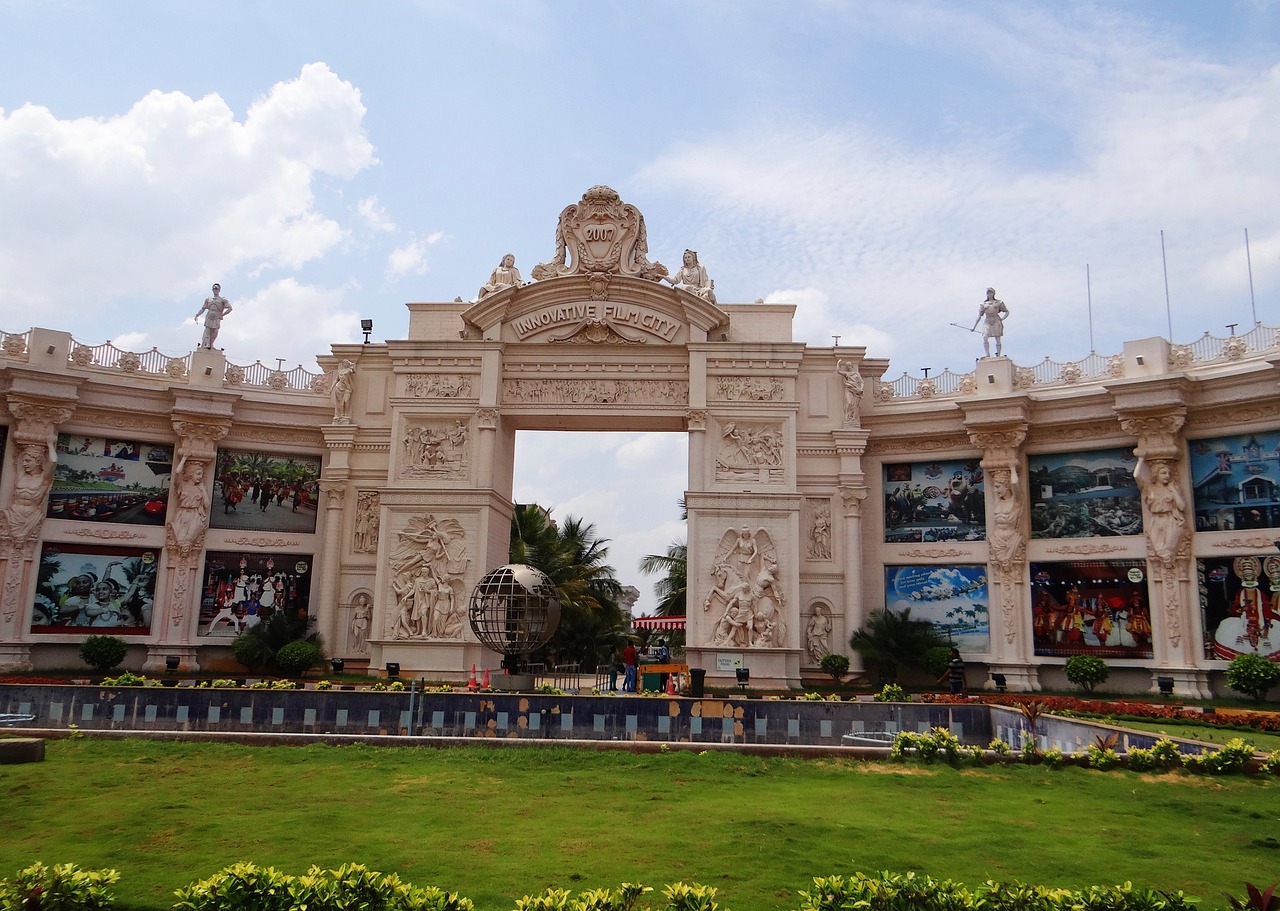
pixel 495 824
pixel 1265 741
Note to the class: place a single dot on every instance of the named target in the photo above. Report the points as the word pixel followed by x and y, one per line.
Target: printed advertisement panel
pixel 265 491
pixel 99 479
pixel 86 588
pixel 1084 494
pixel 1240 606
pixel 1234 481
pixel 241 590
pixel 1091 607
pixel 952 598
pixel 934 501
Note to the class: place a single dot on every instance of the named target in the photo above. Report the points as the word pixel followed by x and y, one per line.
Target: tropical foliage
pixel 671 590
pixel 574 558
pixel 893 641
pixel 258 646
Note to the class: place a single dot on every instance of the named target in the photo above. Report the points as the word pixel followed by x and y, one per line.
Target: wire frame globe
pixel 514 610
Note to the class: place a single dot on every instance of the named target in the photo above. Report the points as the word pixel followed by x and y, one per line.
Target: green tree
pixel 1252 675
pixel 102 653
pixel 257 646
pixel 892 641
pixel 1086 671
pixel 672 589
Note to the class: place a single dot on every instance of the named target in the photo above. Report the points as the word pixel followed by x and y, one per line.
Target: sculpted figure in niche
pixel 21 518
pixel 746 591
pixel 366 534
pixel 1166 508
pixel 504 276
pixel 818 634
pixel 360 618
pixel 343 386
pixel 693 275
pixel 820 533
pixel 853 388
pixel 214 309
pixel 991 313
pixel 1004 533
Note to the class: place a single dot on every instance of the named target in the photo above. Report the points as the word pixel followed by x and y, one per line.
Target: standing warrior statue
pixel 995 313
pixel 214 309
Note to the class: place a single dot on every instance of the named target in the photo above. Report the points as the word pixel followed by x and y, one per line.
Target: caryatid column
pixel 175 625
pixel 1159 473
pixel 34 435
pixel 1006 488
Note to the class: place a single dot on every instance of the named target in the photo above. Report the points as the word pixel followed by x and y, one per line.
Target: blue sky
pixel 878 164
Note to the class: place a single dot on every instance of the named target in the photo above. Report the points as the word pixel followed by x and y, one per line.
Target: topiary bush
pixel 1086 671
pixel 102 653
pixel 835 665
pixel 298 657
pixel 1252 675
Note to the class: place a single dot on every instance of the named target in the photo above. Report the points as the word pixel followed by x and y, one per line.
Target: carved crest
pixel 601 233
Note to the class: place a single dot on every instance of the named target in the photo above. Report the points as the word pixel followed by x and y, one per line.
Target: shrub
pixel 127 679
pixel 102 653
pixel 835 665
pixel 297 657
pixel 1232 757
pixel 1252 675
pixel 891 693
pixel 62 887
pixel 937 660
pixel 1086 671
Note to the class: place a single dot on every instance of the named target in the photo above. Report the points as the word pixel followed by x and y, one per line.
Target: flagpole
pixel 1088 288
pixel 1168 313
pixel 1249 262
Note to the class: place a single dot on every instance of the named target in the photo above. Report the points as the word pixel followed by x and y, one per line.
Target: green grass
pixel 1265 741
pixel 498 824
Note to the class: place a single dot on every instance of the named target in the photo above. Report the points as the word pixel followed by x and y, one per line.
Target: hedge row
pixel 354 887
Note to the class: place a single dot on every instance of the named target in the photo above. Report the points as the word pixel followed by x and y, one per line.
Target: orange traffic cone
pixel 471 681
pixel 486 678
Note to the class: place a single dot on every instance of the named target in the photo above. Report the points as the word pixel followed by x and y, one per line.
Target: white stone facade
pixel 798 462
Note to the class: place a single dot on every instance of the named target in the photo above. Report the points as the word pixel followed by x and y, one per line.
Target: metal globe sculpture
pixel 513 611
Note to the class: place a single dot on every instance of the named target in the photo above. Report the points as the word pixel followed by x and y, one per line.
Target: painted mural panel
pixel 86 588
pixel 265 491
pixel 1235 481
pixel 98 479
pixel 1091 607
pixel 1240 606
pixel 1084 494
pixel 241 590
pixel 952 598
pixel 934 501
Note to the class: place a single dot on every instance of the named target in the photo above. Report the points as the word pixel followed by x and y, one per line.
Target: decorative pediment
pixel 601 234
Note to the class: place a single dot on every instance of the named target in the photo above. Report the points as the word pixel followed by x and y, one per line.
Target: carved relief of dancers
pixel 427 584
pixel 435 450
pixel 747 591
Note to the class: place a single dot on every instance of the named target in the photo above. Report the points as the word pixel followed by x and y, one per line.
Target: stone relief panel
pixel 746 597
pixel 595 391
pixel 365 540
pixel 751 452
pixel 818 525
pixel 435 449
pixel 438 385
pixel 748 389
pixel 427 569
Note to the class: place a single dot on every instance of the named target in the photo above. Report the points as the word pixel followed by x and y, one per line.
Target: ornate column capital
pixel 1157 433
pixel 697 419
pixel 37 419
pixel 1000 445
pixel 198 439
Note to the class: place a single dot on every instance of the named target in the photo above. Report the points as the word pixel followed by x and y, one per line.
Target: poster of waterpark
pixel 84 588
pixel 1240 606
pixel 934 501
pixel 952 598
pixel 1084 494
pixel 101 479
pixel 1091 607
pixel 1234 481
pixel 239 590
pixel 265 491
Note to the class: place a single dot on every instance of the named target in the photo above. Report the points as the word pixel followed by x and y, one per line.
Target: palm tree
pixel 672 589
pixel 893 641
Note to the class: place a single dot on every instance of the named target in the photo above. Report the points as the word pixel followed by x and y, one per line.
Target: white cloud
pixel 411 258
pixel 160 201
pixel 374 215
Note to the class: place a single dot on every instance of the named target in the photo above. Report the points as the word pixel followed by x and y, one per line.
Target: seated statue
pixel 504 276
pixel 694 278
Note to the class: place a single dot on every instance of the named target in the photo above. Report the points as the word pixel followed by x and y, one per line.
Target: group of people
pixel 244 600
pixel 627 663
pixel 262 493
pixel 1098 621
pixel 98 600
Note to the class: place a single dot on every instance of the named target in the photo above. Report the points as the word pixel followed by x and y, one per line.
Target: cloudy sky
pixel 878 164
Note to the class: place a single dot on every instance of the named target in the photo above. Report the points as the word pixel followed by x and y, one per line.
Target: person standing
pixel 214 309
pixel 954 674
pixel 630 664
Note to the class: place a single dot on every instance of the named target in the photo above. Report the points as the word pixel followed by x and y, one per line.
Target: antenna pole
pixel 1168 314
pixel 1088 288
pixel 1249 262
